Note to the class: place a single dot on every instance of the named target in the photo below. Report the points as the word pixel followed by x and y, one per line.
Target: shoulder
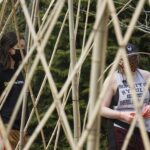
pixel 111 82
pixel 145 74
pixel 111 78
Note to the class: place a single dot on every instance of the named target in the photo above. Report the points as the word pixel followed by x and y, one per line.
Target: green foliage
pixel 60 65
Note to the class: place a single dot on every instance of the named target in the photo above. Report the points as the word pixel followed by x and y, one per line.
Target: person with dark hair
pixel 10 58
pixel 118 107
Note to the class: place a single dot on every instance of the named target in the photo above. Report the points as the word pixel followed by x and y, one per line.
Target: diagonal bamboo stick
pixel 8 19
pixel 129 34
pixel 77 19
pixel 25 96
pixel 84 54
pixel 16 74
pixel 30 89
pixel 134 20
pixel 29 54
pixel 65 99
pixel 35 7
pixel 4 137
pixel 115 21
pixel 132 126
pixel 50 63
pixel 41 56
pixel 2 12
pixel 80 63
pixel 121 10
pixel 135 102
pixel 47 11
pixel 57 137
pixel 86 22
pixel 98 104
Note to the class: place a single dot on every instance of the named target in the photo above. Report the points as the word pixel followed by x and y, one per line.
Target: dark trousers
pixel 135 143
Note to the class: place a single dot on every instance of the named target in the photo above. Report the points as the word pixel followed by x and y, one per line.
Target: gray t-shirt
pixel 125 102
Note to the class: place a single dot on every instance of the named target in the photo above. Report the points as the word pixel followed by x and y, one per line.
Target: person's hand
pixel 146 111
pixel 127 116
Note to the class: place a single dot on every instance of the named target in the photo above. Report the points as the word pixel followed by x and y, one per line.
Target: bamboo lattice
pixel 97 42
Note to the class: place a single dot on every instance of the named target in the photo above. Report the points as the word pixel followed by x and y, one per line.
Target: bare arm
pixel 147 77
pixel 107 112
pixel 145 74
pixel 146 109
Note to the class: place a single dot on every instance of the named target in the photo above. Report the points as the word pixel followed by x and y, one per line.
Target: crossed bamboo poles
pixel 58 95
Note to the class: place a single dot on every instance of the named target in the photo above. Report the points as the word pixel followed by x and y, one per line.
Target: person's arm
pixel 108 112
pixel 146 109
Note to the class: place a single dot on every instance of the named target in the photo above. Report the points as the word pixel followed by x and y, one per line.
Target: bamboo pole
pixel 77 19
pixel 97 105
pixel 129 134
pixel 98 63
pixel 47 11
pixel 86 22
pixel 37 115
pixel 57 137
pixel 23 114
pixel 103 45
pixel 87 108
pixel 53 134
pixel 121 10
pixel 12 13
pixel 45 78
pixel 135 102
pixel 102 94
pixel 134 20
pixel 30 89
pixel 65 99
pixel 126 38
pixel 8 19
pixel 26 59
pixel 35 6
pixel 27 34
pixel 83 44
pixel 115 21
pixel 22 133
pixel 2 12
pixel 34 17
pixel 7 89
pixel 52 85
pixel 79 64
pixel 25 97
pixel 40 126
pixel 84 54
pixel 14 78
pixel 75 90
pixel 84 37
pixel 43 83
pixel 58 125
pixel 3 135
pixel 45 25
